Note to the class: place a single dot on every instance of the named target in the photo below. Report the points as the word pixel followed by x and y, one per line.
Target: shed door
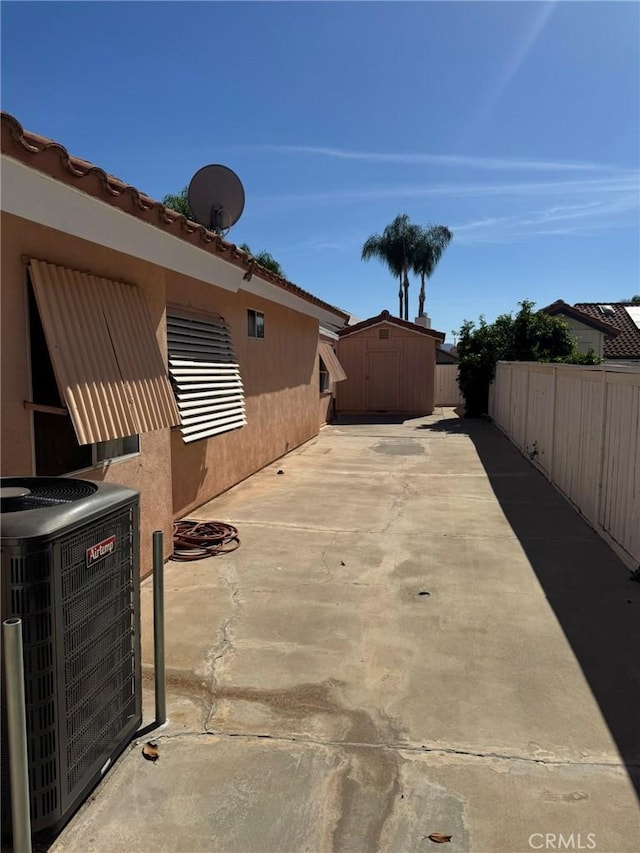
pixel 383 381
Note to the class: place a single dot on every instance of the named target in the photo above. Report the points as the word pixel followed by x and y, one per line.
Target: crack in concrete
pixel 323 557
pixel 405 748
pixel 368 781
pixel 433 534
pixel 225 644
pixel 398 501
pixel 263 590
pixel 314 528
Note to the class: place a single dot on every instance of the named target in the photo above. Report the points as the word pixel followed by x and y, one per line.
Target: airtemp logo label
pixel 98 552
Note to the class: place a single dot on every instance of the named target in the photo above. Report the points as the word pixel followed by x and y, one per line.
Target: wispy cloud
pixel 427 159
pixel 582 218
pixel 575 219
pixel 627 184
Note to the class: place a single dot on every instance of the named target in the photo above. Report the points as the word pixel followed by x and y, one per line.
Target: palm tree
pixel 428 248
pixel 394 247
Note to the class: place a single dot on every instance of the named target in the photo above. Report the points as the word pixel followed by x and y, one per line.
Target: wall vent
pixel 383 334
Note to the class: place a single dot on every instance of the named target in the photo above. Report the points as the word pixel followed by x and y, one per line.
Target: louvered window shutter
pixel 205 376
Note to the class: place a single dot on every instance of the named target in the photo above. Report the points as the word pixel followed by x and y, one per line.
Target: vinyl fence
pixel 581 427
pixel 447 392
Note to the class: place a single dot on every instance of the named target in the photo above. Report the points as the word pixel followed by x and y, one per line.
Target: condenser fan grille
pixel 21 493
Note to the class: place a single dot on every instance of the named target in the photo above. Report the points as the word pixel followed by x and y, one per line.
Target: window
pixel 205 376
pixel 325 381
pixel 57 450
pixel 116 447
pixel 255 323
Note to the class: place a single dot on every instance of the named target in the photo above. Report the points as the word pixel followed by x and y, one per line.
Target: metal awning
pixel 206 376
pixel 335 369
pixel 105 356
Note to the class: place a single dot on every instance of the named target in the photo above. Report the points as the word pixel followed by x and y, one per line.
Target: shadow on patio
pixel 591 591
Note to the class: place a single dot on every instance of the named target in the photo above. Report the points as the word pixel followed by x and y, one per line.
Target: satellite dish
pixel 216 198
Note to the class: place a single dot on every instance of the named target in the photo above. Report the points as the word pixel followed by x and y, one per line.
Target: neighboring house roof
pixel 626 345
pixel 596 322
pixel 446 356
pixel 51 158
pixel 385 317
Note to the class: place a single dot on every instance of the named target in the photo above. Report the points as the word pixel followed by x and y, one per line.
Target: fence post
pixel 552 445
pixel 158 628
pixel 17 735
pixel 603 429
pixel 525 419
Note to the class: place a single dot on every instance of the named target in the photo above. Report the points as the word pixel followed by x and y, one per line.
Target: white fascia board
pixel 328 333
pixel 34 196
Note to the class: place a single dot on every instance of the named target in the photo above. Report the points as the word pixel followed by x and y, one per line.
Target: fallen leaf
pixel 150 751
pixel 438 837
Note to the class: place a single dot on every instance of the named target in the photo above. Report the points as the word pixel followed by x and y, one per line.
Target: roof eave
pixel 398 322
pixel 52 159
pixel 561 307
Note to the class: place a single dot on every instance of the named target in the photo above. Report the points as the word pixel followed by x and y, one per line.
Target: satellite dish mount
pixel 216 198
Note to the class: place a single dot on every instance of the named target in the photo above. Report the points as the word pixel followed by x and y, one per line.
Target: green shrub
pixel 529 336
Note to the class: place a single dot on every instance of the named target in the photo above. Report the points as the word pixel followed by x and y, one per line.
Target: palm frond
pixel 372 248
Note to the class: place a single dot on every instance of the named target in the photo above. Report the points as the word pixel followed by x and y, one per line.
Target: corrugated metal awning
pixel 336 371
pixel 206 376
pixel 104 352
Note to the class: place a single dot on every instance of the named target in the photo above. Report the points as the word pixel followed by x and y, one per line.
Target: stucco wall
pixel 586 336
pixel 416 362
pixel 279 372
pixel 280 377
pixel 149 472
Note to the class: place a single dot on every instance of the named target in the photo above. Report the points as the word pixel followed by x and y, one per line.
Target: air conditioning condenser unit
pixel 71 573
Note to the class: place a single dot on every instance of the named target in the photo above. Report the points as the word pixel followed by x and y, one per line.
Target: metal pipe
pixel 17 734
pixel 158 628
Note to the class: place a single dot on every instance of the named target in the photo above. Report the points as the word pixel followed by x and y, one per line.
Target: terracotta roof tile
pixel 627 344
pixel 45 155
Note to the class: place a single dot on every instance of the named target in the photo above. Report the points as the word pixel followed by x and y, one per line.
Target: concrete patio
pixel 418 634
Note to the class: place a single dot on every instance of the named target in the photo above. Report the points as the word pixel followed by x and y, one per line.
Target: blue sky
pixel 516 124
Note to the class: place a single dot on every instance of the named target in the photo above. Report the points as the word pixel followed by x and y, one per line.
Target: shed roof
pixel 386 317
pixel 51 158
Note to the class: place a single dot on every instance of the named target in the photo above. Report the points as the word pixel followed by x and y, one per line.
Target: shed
pixel 390 366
